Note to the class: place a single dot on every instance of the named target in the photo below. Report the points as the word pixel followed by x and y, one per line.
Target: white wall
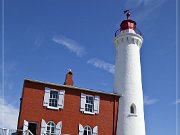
pixel 127 81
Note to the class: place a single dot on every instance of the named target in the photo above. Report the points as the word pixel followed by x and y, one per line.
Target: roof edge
pixel 74 87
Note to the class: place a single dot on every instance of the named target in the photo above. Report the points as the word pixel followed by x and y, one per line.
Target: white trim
pixel 132 115
pixel 73 87
pixel 51 107
pixel 86 112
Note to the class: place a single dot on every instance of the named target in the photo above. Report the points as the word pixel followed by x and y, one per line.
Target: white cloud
pixel 8 115
pixel 7 80
pixel 8 112
pixel 148 101
pixel 102 65
pixel 144 8
pixel 70 44
pixel 144 3
pixel 38 41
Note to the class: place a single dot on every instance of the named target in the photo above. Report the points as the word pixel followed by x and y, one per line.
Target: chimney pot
pixel 69 78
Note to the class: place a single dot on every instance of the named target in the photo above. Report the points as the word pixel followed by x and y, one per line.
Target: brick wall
pixel 32 109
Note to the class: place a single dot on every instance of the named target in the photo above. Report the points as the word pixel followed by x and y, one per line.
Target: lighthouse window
pixel 133 41
pixel 133 109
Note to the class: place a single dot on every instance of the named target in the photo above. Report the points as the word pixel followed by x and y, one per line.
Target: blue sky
pixel 43 39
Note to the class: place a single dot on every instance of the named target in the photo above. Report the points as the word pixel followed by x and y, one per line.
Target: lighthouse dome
pixel 128 24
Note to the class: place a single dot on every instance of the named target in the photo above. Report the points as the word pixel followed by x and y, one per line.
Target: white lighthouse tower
pixel 128 41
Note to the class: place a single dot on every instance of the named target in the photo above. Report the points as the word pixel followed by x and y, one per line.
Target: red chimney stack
pixel 69 78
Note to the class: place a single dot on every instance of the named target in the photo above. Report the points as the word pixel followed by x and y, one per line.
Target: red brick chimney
pixel 69 78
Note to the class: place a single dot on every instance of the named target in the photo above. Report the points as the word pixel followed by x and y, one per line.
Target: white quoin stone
pixel 127 82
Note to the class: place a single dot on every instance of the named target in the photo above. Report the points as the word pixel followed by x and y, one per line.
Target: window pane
pixel 89 105
pixel 50 127
pixel 133 109
pixel 53 100
pixel 87 130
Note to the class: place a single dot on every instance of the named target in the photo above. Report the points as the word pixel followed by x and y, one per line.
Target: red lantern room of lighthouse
pixel 128 24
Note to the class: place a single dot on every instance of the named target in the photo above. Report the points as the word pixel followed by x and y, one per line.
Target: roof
pixel 73 87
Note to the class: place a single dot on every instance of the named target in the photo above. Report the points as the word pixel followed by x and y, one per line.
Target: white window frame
pixel 57 128
pixel 88 129
pixel 53 107
pixel 96 101
pixel 132 114
pixel 133 108
pixel 92 104
pixel 60 99
pixel 94 131
pixel 49 132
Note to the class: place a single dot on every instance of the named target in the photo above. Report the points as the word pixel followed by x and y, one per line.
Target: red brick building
pixel 48 108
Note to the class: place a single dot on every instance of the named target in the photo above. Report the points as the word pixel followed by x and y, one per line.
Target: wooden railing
pixel 5 131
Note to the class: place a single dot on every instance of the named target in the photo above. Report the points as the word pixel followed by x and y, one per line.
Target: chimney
pixel 69 78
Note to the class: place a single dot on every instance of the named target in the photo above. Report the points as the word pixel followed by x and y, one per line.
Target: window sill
pixel 54 108
pixel 92 113
pixel 132 115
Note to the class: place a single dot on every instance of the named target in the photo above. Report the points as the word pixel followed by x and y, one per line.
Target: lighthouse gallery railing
pixel 136 30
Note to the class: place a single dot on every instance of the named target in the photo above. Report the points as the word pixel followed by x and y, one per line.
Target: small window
pixel 50 128
pixel 133 41
pixel 89 104
pixel 133 109
pixel 87 130
pixel 53 99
